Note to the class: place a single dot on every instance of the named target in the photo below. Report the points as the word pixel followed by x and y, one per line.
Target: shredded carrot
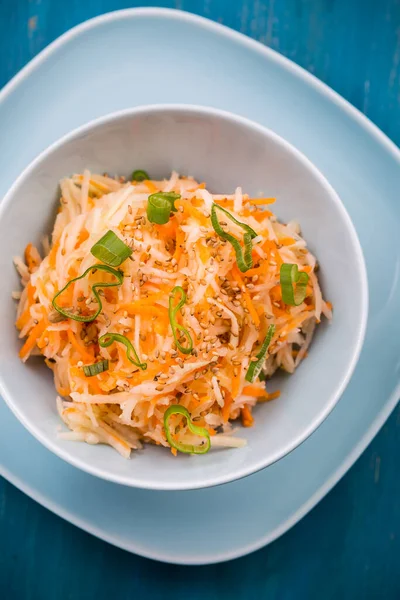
pixel 261 270
pixel 191 211
pixel 167 231
pixel 227 406
pixel 253 390
pixel 235 386
pixel 53 254
pixel 78 347
pixel 204 251
pixel 26 315
pixel 261 201
pixel 246 296
pixel 258 215
pixel 145 308
pixel 287 241
pixel 306 269
pixel 276 293
pixel 30 343
pixel 269 396
pixel 32 257
pixel 201 186
pixel 82 237
pixel 96 184
pixel 150 186
pixel 63 391
pixel 30 292
pixel 95 385
pixel 247 417
pixel 23 319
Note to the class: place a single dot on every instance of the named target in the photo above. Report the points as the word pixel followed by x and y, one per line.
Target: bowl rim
pixel 247 469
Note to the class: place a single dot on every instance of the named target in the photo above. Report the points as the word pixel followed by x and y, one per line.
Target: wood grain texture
pixel 353 535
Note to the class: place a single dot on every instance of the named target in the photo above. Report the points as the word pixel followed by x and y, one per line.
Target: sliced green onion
pixel 160 205
pixel 255 366
pixel 108 338
pixel 111 250
pixel 101 284
pixel 202 448
pixel 96 368
pixel 140 175
pixel 244 260
pixel 293 284
pixel 172 311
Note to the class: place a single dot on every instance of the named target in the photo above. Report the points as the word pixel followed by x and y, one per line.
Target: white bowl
pixel 225 151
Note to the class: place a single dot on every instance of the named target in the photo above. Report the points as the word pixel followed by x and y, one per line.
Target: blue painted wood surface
pixel 349 545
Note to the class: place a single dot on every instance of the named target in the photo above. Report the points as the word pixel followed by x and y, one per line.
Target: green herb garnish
pixel 101 284
pixel 175 326
pixel 108 338
pixel 202 448
pixel 244 259
pixel 293 284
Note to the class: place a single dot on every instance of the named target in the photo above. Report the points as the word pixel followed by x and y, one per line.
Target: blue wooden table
pixel 349 545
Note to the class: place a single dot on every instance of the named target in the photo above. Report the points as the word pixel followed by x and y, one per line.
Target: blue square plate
pixel 111 63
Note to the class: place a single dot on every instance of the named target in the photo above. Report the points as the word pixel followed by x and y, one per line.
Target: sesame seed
pixel 79 363
pixel 159 388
